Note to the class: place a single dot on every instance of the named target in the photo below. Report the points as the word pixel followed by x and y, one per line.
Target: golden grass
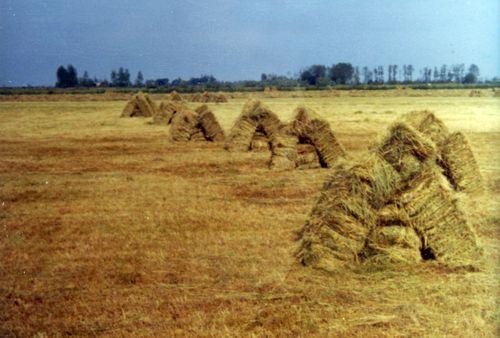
pixel 110 229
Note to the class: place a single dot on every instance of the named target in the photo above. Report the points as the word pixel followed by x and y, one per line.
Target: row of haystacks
pixel 207 97
pixel 400 206
pixel 186 125
pixel 306 142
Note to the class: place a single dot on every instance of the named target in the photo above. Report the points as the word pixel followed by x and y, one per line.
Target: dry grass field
pixel 107 228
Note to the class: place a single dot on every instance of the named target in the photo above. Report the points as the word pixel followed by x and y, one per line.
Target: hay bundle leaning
pixel 211 128
pixel 166 111
pixel 140 105
pixel 308 129
pixel 255 118
pixel 340 221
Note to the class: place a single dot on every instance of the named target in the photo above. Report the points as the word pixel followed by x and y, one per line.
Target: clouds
pixel 239 39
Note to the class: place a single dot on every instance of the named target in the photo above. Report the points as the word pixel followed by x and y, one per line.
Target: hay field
pixel 107 228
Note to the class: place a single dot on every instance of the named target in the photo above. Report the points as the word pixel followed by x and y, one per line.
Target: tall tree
pixel 139 80
pixel 62 77
pixel 342 73
pixel 72 76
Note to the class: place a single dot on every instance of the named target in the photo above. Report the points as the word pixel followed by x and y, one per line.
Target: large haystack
pixel 411 211
pixel 167 110
pixel 211 128
pixel 140 105
pixel 254 119
pixel 460 165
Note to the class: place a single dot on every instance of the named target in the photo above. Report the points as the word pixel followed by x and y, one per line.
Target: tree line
pixel 317 76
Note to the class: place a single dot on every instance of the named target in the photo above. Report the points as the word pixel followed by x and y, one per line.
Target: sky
pixel 237 40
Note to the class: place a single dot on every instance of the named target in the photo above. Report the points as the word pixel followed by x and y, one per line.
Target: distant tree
pixel 114 77
pixel 410 70
pixel 263 77
pixel 62 76
pixel 436 75
pixel 367 75
pixel 162 82
pixel 72 76
pixel 120 78
pixel 342 73
pixel 355 76
pixel 443 74
pixel 86 81
pixel 311 74
pixel 66 77
pixel 139 80
pixel 473 74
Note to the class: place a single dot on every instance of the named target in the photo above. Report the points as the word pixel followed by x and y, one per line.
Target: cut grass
pixel 107 228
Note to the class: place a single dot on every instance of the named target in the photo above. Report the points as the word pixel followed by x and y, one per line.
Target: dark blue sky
pixel 234 39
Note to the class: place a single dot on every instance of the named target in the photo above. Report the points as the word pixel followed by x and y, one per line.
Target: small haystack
pixel 207 97
pixel 254 119
pixel 166 111
pixel 428 124
pixel 140 105
pixel 308 128
pixel 211 128
pixel 200 125
pixel 460 165
pixel 184 126
pixel 475 93
pixel 174 96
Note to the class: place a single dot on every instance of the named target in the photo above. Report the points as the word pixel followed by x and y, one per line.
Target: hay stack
pixel 184 126
pixel 255 118
pixel 166 111
pixel 311 129
pixel 340 221
pixel 460 165
pixel 174 96
pixel 211 128
pixel 428 124
pixel 140 105
pixel 410 211
pixel 207 97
